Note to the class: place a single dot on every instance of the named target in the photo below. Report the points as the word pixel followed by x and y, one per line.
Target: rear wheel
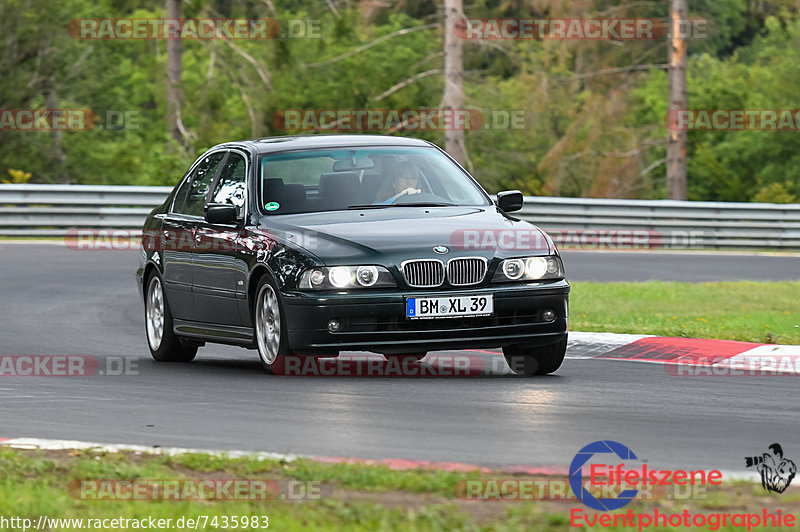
pixel 530 361
pixel 165 345
pixel 271 337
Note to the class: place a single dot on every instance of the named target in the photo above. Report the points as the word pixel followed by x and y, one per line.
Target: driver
pixel 404 183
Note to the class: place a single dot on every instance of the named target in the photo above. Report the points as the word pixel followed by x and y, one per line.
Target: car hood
pixel 395 234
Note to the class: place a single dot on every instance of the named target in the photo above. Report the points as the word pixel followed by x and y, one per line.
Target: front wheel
pixel 271 337
pixel 165 345
pixel 530 361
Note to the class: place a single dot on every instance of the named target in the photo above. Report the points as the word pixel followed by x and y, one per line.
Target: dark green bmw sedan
pixel 313 245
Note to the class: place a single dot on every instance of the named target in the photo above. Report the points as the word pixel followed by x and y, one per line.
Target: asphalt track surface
pixel 691 266
pixel 59 301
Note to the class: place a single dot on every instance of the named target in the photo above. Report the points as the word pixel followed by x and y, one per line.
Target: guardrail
pixel 52 210
pixel 583 222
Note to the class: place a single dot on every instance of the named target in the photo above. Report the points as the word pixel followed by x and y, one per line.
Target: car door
pixel 178 228
pixel 220 273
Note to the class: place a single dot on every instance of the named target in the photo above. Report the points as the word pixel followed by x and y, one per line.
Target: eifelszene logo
pixel 776 471
pixel 576 475
pixel 619 482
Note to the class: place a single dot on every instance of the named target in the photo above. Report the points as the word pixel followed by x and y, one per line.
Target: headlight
pixel 367 275
pixel 346 278
pixel 339 276
pixel 529 269
pixel 513 269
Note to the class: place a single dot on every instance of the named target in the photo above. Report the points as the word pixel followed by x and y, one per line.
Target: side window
pixel 191 198
pixel 180 197
pixel 231 185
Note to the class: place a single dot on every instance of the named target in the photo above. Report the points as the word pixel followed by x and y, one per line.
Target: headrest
pixel 272 188
pixel 338 183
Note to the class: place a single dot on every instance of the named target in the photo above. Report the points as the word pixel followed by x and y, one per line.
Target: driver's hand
pixel 409 191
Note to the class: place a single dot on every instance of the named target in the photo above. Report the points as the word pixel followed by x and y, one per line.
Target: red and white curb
pixel 689 356
pixel 582 345
pixel 397 464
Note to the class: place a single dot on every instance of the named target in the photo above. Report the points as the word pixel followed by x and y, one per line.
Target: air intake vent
pixel 465 272
pixel 424 273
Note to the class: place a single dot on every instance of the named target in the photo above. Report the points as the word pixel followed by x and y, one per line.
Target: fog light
pixel 547 315
pixel 334 326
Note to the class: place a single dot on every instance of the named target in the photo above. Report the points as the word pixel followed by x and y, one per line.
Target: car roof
pixel 300 142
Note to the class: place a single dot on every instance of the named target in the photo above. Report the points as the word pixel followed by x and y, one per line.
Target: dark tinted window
pixel 341 178
pixel 231 185
pixel 191 197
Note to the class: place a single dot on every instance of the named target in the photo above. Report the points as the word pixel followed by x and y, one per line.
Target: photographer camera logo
pixel 776 471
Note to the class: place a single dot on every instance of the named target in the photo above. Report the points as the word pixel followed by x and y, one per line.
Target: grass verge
pixel 350 496
pixel 765 312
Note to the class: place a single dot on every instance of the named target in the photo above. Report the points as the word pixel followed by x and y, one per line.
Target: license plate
pixel 449 307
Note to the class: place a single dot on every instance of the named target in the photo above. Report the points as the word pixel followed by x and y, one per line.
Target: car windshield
pixel 363 178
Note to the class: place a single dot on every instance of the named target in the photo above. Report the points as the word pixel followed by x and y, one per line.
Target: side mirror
pixel 222 214
pixel 509 200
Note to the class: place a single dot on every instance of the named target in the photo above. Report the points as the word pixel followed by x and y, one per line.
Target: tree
pixel 175 129
pixel 453 78
pixel 676 145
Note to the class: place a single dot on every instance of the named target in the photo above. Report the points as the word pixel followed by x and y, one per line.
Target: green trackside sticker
pixel 272 206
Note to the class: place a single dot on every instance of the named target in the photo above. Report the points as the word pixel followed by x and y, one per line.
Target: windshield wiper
pixel 423 204
pixel 384 205
pixel 377 206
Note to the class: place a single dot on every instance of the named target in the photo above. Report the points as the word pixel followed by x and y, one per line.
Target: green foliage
pixel 775 193
pixel 737 165
pixel 589 127
pixel 17 177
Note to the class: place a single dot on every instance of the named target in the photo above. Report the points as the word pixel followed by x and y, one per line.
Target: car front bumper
pixel 375 320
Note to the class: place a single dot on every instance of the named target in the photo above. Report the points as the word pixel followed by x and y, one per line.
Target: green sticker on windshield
pixel 272 206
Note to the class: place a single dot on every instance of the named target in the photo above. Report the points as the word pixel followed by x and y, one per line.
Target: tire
pixel 270 327
pixel 164 344
pixel 529 361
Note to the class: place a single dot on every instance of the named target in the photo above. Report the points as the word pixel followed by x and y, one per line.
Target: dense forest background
pixel 594 111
